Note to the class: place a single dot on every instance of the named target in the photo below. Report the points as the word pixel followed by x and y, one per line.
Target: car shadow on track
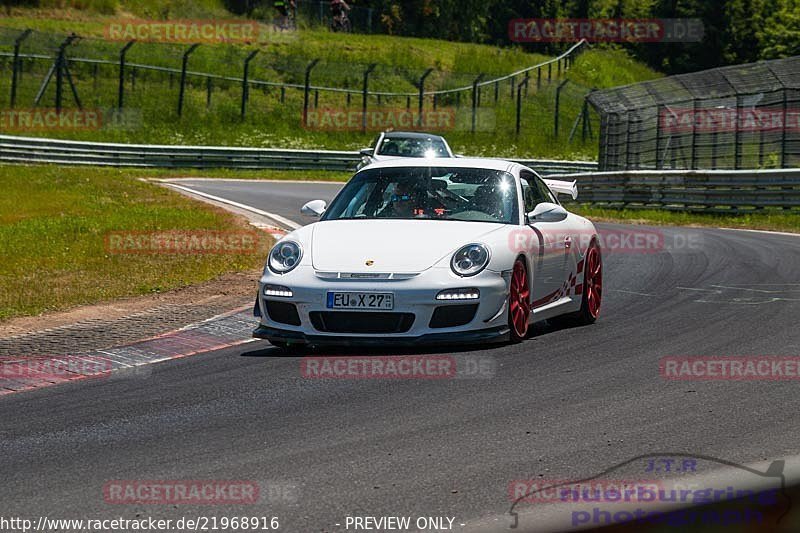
pixel 316 351
pixel 536 330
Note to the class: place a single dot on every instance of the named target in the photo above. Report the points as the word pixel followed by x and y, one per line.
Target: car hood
pixel 385 157
pixel 394 246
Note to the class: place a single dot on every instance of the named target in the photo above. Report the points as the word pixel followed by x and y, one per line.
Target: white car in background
pixel 398 144
pixel 432 251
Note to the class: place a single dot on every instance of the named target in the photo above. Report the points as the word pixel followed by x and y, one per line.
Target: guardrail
pixel 712 191
pixel 39 150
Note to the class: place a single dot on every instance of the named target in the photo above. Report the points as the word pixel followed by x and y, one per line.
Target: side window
pixel 532 194
pixel 546 192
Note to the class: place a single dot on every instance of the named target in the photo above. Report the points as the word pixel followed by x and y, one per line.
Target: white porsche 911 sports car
pixel 432 251
pixel 398 144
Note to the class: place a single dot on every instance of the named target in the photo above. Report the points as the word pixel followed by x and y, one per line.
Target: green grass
pixel 161 9
pixel 53 228
pixel 152 100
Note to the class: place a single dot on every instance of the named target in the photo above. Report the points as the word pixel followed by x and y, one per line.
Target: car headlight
pixel 470 260
pixel 284 257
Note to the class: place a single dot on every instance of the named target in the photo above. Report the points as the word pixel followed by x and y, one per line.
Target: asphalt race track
pixel 564 404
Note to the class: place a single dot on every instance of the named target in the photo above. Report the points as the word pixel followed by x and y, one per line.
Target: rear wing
pixel 563 187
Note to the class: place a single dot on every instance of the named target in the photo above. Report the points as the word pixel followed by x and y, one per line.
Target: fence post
pixel 660 112
pixel 475 100
pixel 602 158
pixel 182 89
pixel 422 94
pixel 59 78
pixel 558 101
pixel 496 91
pixel 307 89
pixel 783 133
pixel 558 72
pixel 538 78
pixel 693 162
pixel 527 79
pixel 519 104
pixel 121 91
pixel 245 84
pixel 628 141
pixel 714 135
pixel 737 141
pixel 16 66
pixel 549 72
pixel 365 95
pixel 208 92
pixel 585 121
pixel 61 69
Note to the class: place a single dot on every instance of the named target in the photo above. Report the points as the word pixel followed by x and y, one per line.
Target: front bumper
pixel 496 334
pixel 415 295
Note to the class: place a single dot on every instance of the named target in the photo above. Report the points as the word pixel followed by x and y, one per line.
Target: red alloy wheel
pixel 593 281
pixel 519 307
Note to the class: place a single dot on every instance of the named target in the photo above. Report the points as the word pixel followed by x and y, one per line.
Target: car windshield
pixel 437 193
pixel 413 147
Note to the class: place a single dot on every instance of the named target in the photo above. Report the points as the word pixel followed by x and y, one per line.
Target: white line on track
pixel 763 231
pixel 285 222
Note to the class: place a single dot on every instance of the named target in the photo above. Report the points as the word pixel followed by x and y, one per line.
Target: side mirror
pixel 314 208
pixel 547 212
pixel 367 152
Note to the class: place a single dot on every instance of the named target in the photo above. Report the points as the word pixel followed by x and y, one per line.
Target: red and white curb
pixel 18 374
pixel 276 232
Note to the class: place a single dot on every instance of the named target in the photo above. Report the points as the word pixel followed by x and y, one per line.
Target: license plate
pixel 361 300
